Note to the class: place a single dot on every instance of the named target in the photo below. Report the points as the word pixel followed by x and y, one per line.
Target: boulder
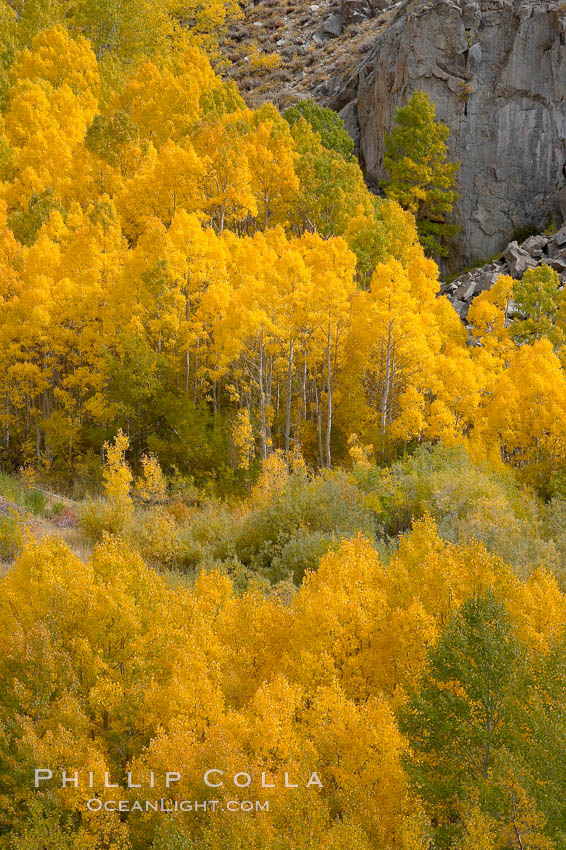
pixel 354 11
pixel 334 24
pixel 486 279
pixel 557 263
pixel 320 38
pixel 518 260
pixel 466 290
pixel 535 245
pixel 461 308
pixel 557 244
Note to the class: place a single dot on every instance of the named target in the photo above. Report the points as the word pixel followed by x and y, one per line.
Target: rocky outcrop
pixel 496 71
pixel 355 11
pixel 515 260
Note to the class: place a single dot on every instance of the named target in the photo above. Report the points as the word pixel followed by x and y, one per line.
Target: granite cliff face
pixel 496 71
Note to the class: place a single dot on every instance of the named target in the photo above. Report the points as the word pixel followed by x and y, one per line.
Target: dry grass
pixel 73 537
pixel 76 541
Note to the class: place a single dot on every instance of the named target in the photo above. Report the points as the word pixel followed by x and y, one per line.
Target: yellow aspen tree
pixel 151 485
pixel 393 355
pixel 227 178
pixel 118 478
pixel 455 396
pixel 164 103
pixel 525 414
pixel 11 286
pixel 479 830
pixel 273 479
pixel 167 180
pixel 50 106
pixel 243 439
pixel 245 333
pixel 271 160
pixel 489 318
pixel 26 333
pixel 331 265
pixel 197 261
pixel 294 286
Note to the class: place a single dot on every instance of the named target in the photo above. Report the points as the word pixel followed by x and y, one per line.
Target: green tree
pixel 331 189
pixel 542 717
pixel 326 123
pixel 536 297
pixel 459 720
pixel 421 178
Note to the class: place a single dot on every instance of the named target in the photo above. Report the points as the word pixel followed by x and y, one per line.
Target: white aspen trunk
pixel 263 430
pixel 318 426
pixel 288 399
pixel 387 381
pixel 187 319
pixel 329 399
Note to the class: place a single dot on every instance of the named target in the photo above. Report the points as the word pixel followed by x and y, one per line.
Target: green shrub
pixel 98 516
pixel 435 480
pixel 153 533
pixel 309 511
pixel 209 536
pixel 12 532
pixel 302 553
pixel 242 577
pixel 56 509
pixel 35 501
pixel 469 501
pixel 282 539
pixel 11 489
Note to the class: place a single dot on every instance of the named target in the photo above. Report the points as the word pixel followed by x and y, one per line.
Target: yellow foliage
pixel 151 486
pixel 360 454
pixel 263 62
pixel 272 480
pixel 172 215
pixel 136 675
pixel 118 478
pixel 243 439
pixel 480 831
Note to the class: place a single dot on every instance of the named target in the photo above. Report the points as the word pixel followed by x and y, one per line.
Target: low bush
pixel 35 501
pixel 469 501
pixel 210 535
pixel 10 488
pixel 154 535
pixel 301 554
pixel 286 534
pixel 98 516
pixel 12 533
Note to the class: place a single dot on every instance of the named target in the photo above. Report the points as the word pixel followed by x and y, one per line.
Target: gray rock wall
pixel 496 71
